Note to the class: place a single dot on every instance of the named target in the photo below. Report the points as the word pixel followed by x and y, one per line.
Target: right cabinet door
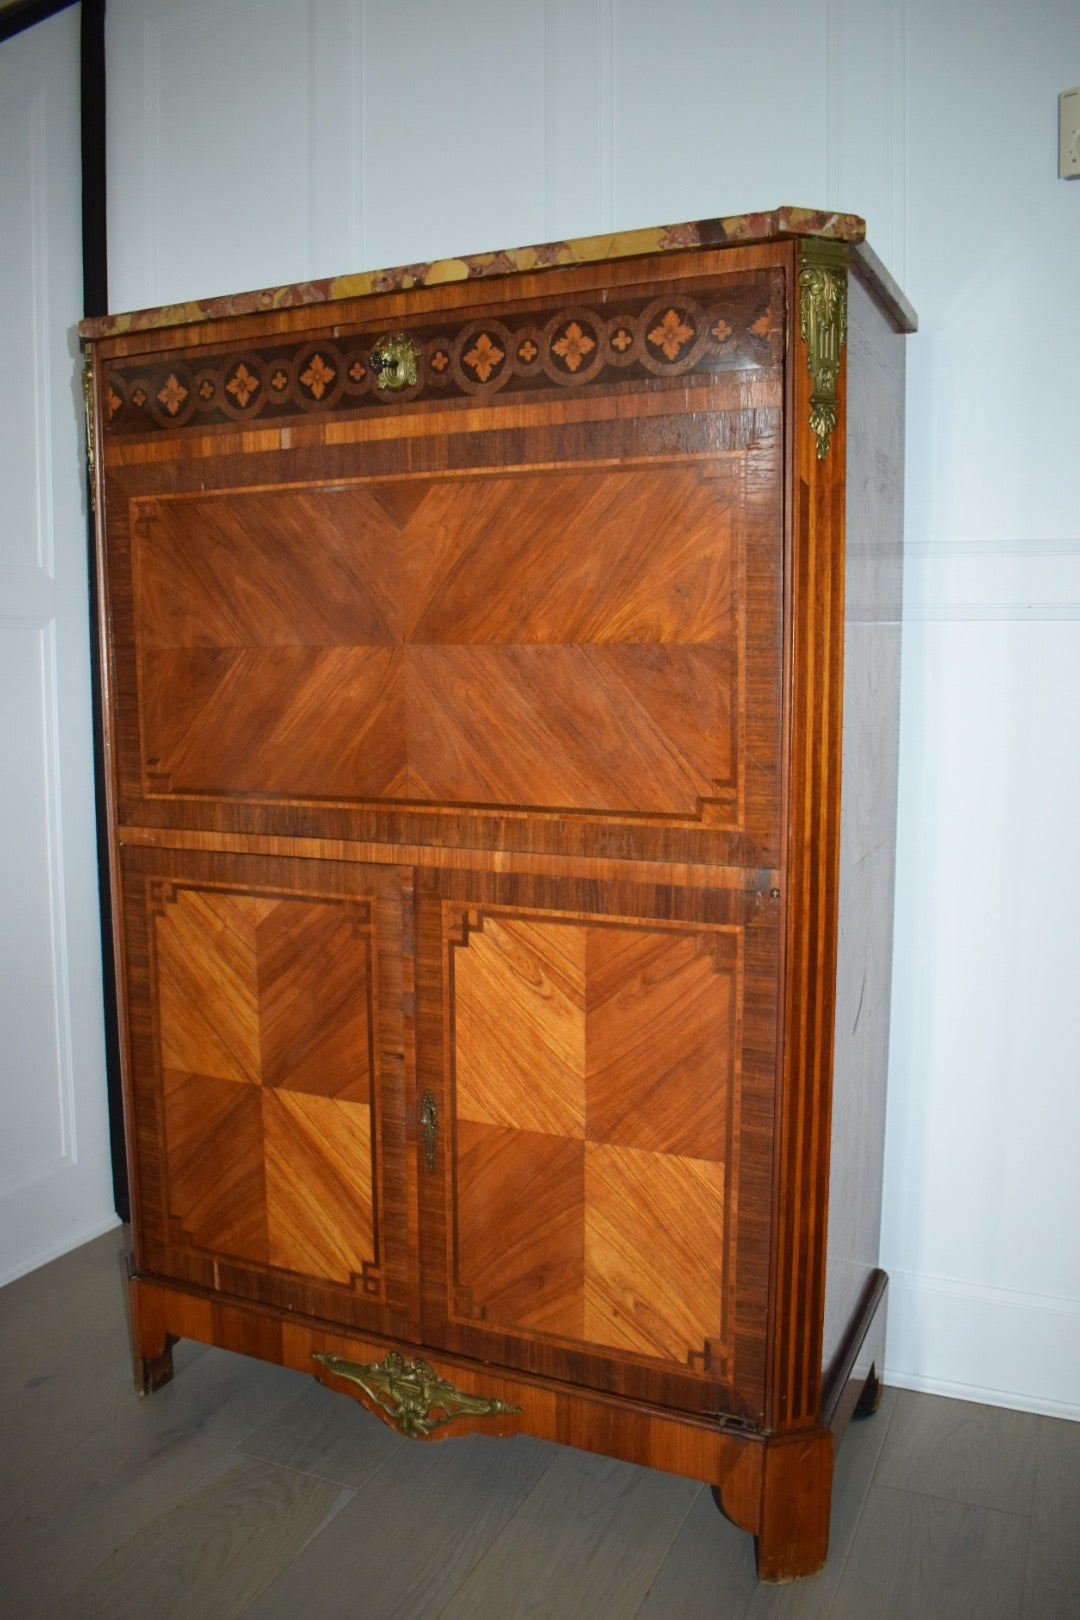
pixel 599 1066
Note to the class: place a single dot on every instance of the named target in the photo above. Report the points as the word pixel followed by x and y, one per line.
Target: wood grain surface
pixel 475 781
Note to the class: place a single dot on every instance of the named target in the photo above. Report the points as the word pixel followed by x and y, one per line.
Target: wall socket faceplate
pixel 1069 134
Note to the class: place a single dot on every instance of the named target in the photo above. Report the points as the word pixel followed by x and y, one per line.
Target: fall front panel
pixel 595 1162
pixel 266 1041
pixel 565 640
pixel 535 593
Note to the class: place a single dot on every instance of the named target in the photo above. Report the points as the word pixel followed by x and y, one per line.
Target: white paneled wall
pixel 703 121
pixel 254 142
pixel 982 1212
pixel 55 1181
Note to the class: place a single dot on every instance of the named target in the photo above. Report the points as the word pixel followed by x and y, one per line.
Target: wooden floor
pixel 242 1489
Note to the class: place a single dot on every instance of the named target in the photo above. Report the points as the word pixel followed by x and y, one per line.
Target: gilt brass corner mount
pixel 88 407
pixel 410 1394
pixel 823 328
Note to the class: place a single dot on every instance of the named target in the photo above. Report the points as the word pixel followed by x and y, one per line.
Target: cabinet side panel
pixel 874 539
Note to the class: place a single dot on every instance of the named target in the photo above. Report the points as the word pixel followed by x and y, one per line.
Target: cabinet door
pixel 598 1059
pixel 265 1089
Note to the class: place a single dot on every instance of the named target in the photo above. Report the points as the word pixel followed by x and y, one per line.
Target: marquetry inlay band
pixel 552 347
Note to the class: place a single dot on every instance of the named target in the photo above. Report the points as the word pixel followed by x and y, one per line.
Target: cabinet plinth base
pixel 151 1342
pixel 777 1487
pixel 790 1517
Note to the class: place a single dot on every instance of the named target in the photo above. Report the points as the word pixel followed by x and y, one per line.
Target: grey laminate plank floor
pixel 242 1490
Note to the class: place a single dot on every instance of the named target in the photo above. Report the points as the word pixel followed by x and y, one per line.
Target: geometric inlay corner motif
pixel 371 1279
pixel 160 893
pixel 460 924
pixel 710 1359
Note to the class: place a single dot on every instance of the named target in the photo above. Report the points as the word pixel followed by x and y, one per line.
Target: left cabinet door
pixel 265 1080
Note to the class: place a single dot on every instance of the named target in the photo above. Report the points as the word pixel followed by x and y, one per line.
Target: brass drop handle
pixel 429 1124
pixel 394 361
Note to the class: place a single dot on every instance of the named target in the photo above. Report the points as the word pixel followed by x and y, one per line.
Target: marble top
pixel 776 225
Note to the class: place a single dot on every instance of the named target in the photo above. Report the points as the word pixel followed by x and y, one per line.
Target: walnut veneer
pixel 474 764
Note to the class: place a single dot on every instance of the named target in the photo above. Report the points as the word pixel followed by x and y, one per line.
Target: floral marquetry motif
pixel 484 357
pixel 671 334
pixel 242 385
pixel 173 395
pixel 573 346
pixel 317 377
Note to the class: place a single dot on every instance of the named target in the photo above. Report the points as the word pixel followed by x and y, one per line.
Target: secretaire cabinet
pixel 500 708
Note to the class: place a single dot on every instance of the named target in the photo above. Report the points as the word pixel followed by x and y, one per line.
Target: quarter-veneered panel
pixel 297 568
pixel 663 1013
pixel 521 1228
pixel 214 1164
pixel 560 640
pixel 308 721
pixel 319 1200
pixel 642 555
pixel 315 997
pixel 207 988
pixel 595 1083
pixel 265 1010
pixel 655 1253
pixel 618 728
pixel 531 976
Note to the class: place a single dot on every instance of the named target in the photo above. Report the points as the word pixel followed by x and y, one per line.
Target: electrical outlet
pixel 1069 134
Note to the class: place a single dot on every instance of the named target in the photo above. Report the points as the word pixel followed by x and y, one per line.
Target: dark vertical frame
pixel 95 263
pixel 13 20
pixel 96 302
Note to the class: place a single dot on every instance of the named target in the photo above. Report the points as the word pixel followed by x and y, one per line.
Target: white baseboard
pixel 991 1345
pixel 41 1257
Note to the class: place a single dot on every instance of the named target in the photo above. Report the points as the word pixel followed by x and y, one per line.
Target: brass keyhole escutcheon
pixel 429 1124
pixel 395 360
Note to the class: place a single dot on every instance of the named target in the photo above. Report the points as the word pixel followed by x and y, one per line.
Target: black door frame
pixel 14 19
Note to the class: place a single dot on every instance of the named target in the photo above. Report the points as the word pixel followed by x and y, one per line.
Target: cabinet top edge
pixel 876 278
pixel 735 230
